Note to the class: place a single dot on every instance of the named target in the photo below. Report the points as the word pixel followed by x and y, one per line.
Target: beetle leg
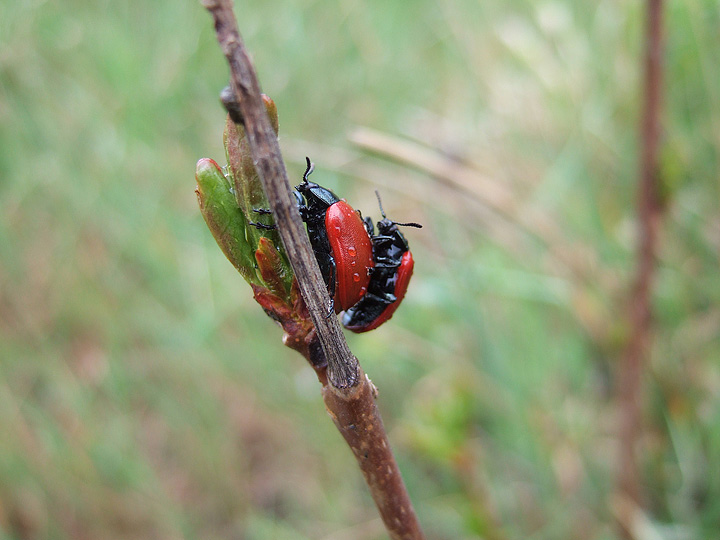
pixel 262 212
pixel 369 226
pixel 262 226
pixel 382 237
pixel 331 309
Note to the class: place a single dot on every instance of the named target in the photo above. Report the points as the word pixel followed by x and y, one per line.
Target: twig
pixel 349 395
pixel 343 369
pixel 649 214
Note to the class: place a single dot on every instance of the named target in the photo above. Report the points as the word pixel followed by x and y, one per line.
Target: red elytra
pixel 341 242
pixel 352 250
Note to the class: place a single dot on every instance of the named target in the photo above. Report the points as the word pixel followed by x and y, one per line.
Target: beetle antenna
pixel 309 170
pixel 410 224
pixel 377 194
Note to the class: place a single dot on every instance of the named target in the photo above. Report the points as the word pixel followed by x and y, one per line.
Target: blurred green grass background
pixel 143 394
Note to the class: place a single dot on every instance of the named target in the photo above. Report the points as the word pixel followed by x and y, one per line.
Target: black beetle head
pixel 386 226
pixel 316 196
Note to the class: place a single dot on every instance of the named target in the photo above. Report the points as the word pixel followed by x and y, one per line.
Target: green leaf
pixel 224 219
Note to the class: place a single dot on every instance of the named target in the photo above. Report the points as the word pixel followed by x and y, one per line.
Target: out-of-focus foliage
pixel 143 394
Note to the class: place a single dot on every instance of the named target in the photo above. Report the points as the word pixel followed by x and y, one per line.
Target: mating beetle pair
pixel 367 274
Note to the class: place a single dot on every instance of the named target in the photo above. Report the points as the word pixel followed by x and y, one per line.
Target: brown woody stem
pixel 649 208
pixel 349 395
pixel 358 420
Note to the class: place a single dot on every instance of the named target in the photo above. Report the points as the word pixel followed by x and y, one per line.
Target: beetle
pixel 389 278
pixel 340 241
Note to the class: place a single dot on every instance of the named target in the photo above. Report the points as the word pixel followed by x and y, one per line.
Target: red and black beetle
pixel 340 241
pixel 389 278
